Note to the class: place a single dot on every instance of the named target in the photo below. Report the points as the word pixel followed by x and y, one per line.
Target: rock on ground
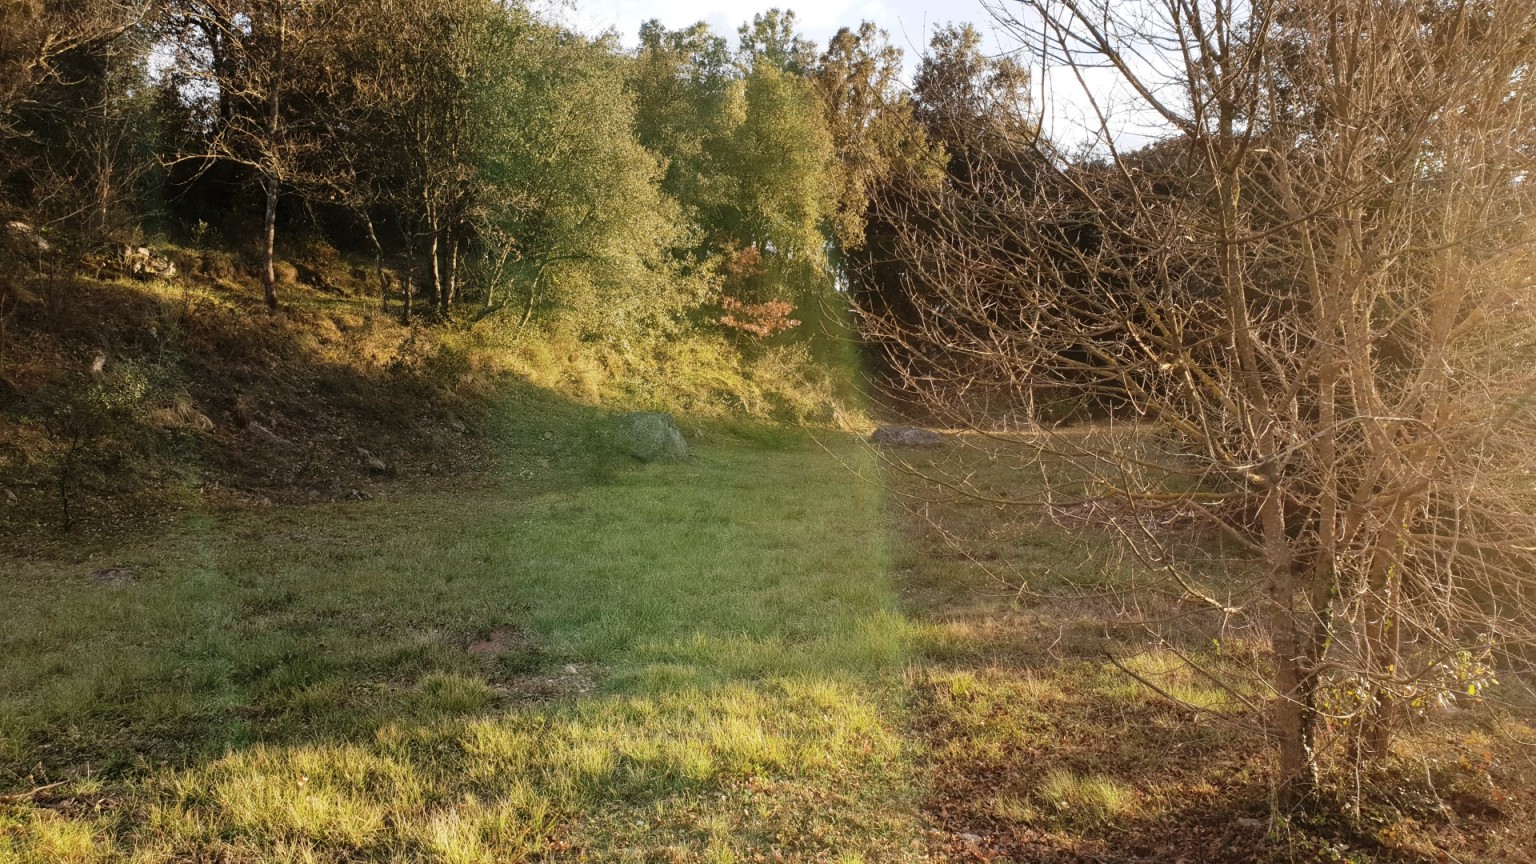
pixel 25 239
pixel 649 436
pixel 907 436
pixel 141 262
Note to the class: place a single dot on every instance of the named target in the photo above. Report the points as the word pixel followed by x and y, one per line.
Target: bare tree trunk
pixel 269 240
pixel 453 273
pixel 533 298
pixel 437 271
pixel 408 281
pixel 378 262
pixel 274 119
pixel 407 289
pixel 1292 720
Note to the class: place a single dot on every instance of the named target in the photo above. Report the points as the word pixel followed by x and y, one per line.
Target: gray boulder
pixel 907 436
pixel 25 239
pixel 649 436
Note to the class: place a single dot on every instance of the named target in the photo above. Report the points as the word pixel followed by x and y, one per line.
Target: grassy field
pixel 569 659
pixel 753 656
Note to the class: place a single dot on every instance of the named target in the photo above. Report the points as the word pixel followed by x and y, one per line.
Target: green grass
pixel 695 663
pixel 1090 798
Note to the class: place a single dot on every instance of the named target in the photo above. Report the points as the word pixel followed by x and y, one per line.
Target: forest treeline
pixel 486 160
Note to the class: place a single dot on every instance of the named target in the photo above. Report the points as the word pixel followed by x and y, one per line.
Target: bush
pixel 92 427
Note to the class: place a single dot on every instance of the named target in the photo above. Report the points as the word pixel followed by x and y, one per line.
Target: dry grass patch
pixel 1066 718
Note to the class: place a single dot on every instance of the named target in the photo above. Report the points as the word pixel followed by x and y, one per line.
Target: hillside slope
pixel 122 397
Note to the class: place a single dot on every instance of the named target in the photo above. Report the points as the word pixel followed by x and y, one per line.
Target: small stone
pixel 970 838
pixel 375 464
pixel 141 262
pixel 25 238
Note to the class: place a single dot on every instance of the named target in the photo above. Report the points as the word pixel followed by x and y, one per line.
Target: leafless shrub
pixel 1317 292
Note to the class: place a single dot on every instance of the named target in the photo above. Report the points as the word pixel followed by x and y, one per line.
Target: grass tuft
pixel 1084 799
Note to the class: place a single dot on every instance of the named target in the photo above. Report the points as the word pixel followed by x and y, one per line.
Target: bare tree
pixel 35 35
pixel 72 114
pixel 1316 288
pixel 247 63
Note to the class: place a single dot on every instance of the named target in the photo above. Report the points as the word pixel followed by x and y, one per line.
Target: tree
pixel 778 161
pixel 564 178
pixel 1314 292
pixel 771 40
pixel 960 92
pixel 749 157
pixel 35 36
pixel 251 68
pixel 410 74
pixel 969 113
pixel 683 82
pixel 870 121
pixel 74 112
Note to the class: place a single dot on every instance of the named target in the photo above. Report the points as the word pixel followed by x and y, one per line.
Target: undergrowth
pixel 123 402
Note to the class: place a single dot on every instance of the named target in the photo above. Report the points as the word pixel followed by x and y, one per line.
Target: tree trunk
pixel 408 280
pixel 378 263
pixel 269 244
pixel 533 297
pixel 1383 634
pixel 437 272
pixel 453 273
pixel 406 291
pixel 274 121
pixel 1293 721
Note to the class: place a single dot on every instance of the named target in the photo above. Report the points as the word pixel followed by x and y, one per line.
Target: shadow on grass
pixel 572 655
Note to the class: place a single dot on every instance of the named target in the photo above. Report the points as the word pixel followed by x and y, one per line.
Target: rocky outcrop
pixel 141 262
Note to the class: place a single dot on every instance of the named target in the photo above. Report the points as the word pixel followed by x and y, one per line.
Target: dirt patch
pixel 570 681
pixel 502 640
